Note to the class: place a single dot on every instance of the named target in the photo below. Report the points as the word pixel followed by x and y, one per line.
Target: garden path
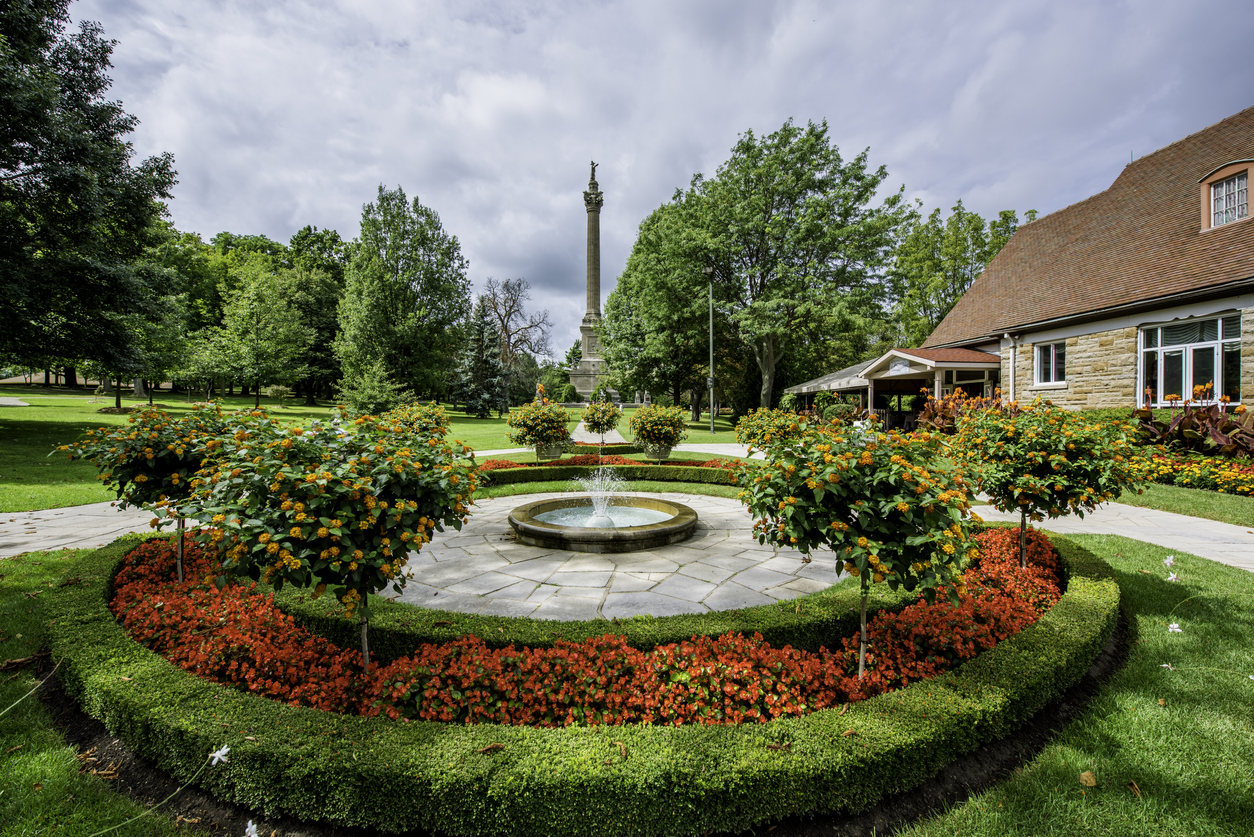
pixel 583 434
pixel 690 585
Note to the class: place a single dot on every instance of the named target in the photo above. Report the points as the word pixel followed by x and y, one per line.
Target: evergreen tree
pixel 480 374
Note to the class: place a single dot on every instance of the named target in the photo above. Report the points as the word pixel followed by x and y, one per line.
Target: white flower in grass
pixel 220 755
pixel 1170 561
pixel 251 831
pixel 1252 676
pixel 1172 577
pixel 1174 628
pixel 1167 666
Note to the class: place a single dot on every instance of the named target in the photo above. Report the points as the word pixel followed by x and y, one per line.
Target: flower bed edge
pixel 625 780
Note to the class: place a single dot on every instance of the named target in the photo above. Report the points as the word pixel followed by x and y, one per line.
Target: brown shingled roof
pixel 950 355
pixel 1139 240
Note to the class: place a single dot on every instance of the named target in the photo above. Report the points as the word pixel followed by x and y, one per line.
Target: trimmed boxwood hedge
pixel 661 473
pixel 624 780
pixel 617 448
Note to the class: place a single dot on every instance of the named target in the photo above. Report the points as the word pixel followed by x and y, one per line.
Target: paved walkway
pixel 481 569
pixel 1222 542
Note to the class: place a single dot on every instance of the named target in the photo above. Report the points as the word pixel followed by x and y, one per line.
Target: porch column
pixel 940 381
pixel 870 394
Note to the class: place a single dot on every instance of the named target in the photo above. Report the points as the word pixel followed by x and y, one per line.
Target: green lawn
pixel 30 479
pixel 1226 508
pixel 42 791
pixel 1185 736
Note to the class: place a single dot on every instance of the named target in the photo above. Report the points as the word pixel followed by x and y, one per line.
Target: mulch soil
pixel 106 756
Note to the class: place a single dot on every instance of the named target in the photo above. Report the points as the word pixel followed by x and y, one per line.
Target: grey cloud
pixel 286 114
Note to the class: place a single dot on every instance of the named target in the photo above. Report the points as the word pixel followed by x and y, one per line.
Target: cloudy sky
pixel 281 114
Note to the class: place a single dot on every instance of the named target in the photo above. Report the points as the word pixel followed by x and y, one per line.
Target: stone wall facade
pixel 1247 357
pixel 1102 369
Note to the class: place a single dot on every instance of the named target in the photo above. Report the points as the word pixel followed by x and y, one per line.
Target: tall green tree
pixel 938 259
pixel 74 211
pixel 480 374
pixel 263 336
pixel 655 334
pixel 792 230
pixel 406 292
pixel 314 249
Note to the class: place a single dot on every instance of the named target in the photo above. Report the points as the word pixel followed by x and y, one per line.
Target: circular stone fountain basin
pixel 676 524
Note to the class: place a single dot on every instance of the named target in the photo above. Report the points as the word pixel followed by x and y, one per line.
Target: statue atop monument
pixel 593 178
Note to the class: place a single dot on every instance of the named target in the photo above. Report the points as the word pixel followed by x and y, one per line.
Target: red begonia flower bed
pixel 237 636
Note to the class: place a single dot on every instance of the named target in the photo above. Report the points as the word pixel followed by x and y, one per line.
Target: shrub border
pixel 609 780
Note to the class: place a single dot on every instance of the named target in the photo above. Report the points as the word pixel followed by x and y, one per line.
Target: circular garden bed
pixel 622 779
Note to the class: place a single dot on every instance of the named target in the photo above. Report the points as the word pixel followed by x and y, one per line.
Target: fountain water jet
pixel 602 520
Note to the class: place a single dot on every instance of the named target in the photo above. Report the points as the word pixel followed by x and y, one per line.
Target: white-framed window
pixel 1051 363
pixel 1230 199
pixel 1196 359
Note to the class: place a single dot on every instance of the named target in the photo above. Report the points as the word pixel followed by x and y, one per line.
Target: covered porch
pixel 884 384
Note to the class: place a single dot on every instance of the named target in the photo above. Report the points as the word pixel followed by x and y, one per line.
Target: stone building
pixel 1139 293
pixel 1142 292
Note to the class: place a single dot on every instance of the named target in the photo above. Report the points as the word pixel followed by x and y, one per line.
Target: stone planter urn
pixel 547 453
pixel 657 452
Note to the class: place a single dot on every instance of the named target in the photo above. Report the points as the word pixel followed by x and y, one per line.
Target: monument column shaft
pixel 594 258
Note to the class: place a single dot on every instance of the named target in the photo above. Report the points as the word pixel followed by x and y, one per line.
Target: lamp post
pixel 708 270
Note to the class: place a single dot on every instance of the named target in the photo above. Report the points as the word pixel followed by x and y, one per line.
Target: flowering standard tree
pixel 884 503
pixel 150 462
pixel 539 424
pixel 1043 460
pixel 331 509
pixel 601 417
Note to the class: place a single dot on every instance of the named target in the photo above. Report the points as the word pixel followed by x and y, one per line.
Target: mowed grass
pixel 42 791
pixel 1184 736
pixel 1188 755
pixel 30 479
pixel 1225 508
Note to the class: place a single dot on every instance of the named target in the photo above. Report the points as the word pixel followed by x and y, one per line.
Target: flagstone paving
pixel 482 569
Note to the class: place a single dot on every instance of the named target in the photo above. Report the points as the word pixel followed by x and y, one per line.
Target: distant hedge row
pixel 660 473
pixel 618 780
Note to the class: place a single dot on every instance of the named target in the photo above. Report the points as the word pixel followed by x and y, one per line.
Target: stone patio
pixel 481 569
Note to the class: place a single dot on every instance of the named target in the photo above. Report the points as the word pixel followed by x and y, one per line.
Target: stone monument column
pixel 592 200
pixel 591 368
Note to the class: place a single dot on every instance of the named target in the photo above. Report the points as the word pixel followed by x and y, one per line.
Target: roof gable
pixel 1139 240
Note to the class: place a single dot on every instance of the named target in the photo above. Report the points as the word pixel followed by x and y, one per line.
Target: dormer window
pixel 1230 199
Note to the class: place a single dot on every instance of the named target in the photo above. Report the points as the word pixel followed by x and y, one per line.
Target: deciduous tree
pixel 406 291
pixel 937 260
pixel 74 211
pixel 792 231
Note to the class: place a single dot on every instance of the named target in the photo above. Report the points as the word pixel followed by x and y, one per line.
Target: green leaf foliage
pixel 489 779
pixel 330 507
pixel 1042 460
pixel 406 291
pixel 74 210
pixel 881 501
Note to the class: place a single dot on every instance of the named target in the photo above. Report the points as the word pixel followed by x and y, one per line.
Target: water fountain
pixel 602 519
